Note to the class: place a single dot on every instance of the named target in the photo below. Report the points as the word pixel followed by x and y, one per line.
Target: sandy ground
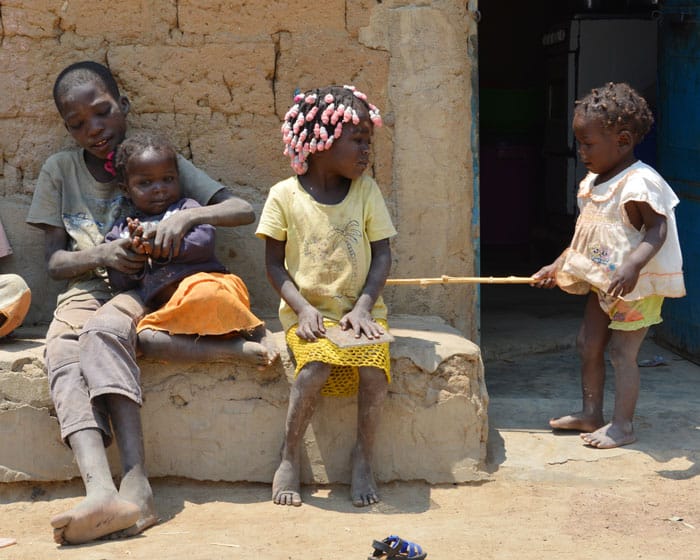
pixel 547 495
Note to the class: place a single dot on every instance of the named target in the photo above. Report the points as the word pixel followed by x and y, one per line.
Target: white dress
pixel 604 236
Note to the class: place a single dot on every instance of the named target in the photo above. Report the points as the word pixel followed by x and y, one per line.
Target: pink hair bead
pixel 355 117
pixel 292 113
pixel 324 133
pixel 338 113
pixel 311 98
pixel 311 115
pixel 360 95
pixel 327 112
pixel 329 143
pixel 328 98
pixel 348 114
pixel 338 130
pixel 317 130
pixel 312 145
pixel 376 120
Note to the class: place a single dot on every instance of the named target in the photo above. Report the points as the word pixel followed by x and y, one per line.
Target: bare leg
pixel 624 348
pixel 102 511
pixel 163 346
pixel 591 342
pixel 134 487
pixel 371 396
pixel 286 485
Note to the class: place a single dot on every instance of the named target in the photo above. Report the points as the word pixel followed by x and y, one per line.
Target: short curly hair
pixel 617 105
pixel 136 144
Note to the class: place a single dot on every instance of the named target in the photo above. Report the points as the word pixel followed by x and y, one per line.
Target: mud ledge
pixel 217 421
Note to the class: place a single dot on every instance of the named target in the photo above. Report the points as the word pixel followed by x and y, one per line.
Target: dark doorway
pixel 535 59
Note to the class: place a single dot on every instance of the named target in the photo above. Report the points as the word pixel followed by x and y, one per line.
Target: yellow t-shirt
pixel 327 251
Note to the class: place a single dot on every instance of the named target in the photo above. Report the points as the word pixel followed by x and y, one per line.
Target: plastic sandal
pixel 397 548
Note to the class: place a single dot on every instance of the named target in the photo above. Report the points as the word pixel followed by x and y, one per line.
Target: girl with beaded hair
pixel 624 254
pixel 327 252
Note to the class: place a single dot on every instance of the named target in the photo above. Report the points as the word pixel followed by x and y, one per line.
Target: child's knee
pixel 312 374
pixel 108 325
pixel 621 354
pixel 373 378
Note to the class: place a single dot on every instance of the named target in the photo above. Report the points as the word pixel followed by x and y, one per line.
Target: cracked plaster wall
pixel 218 75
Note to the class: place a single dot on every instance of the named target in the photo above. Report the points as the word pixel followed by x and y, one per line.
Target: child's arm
pixel 640 214
pixel 122 281
pixel 64 264
pixel 198 245
pixel 224 209
pixel 546 277
pixel 310 321
pixel 360 318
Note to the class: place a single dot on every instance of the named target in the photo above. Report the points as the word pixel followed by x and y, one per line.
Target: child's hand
pixel 310 325
pixel 546 277
pixel 624 279
pixel 141 245
pixel 119 256
pixel 167 237
pixel 361 321
pixel 133 226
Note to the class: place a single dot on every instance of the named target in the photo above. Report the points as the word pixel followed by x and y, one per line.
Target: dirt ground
pixel 547 495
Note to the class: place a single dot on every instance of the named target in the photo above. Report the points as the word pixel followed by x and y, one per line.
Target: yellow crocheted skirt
pixel 344 379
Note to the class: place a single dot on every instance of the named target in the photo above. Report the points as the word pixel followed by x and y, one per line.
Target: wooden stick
pixel 461 280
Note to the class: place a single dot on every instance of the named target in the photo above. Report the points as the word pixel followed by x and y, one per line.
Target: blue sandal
pixel 394 547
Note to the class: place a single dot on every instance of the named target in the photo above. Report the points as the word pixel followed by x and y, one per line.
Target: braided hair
pixel 617 105
pixel 316 119
pixel 137 144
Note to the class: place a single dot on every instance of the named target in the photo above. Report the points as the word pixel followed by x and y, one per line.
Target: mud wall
pixel 217 76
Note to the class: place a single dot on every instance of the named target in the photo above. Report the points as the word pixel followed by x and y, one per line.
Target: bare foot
pixel 260 349
pixel 136 489
pixel 272 351
pixel 363 490
pixel 254 353
pixel 609 436
pixel 578 421
pixel 286 489
pixel 94 517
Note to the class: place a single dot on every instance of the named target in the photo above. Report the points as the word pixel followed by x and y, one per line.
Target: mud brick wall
pixel 217 76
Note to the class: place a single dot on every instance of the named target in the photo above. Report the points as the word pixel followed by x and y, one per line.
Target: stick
pixel 461 280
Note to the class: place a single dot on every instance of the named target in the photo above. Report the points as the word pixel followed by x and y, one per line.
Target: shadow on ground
pixel 532 374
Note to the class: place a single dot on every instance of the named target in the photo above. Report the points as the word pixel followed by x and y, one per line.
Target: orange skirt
pixel 206 303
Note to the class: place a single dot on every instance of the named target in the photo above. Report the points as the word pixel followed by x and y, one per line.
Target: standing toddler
pixel 624 254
